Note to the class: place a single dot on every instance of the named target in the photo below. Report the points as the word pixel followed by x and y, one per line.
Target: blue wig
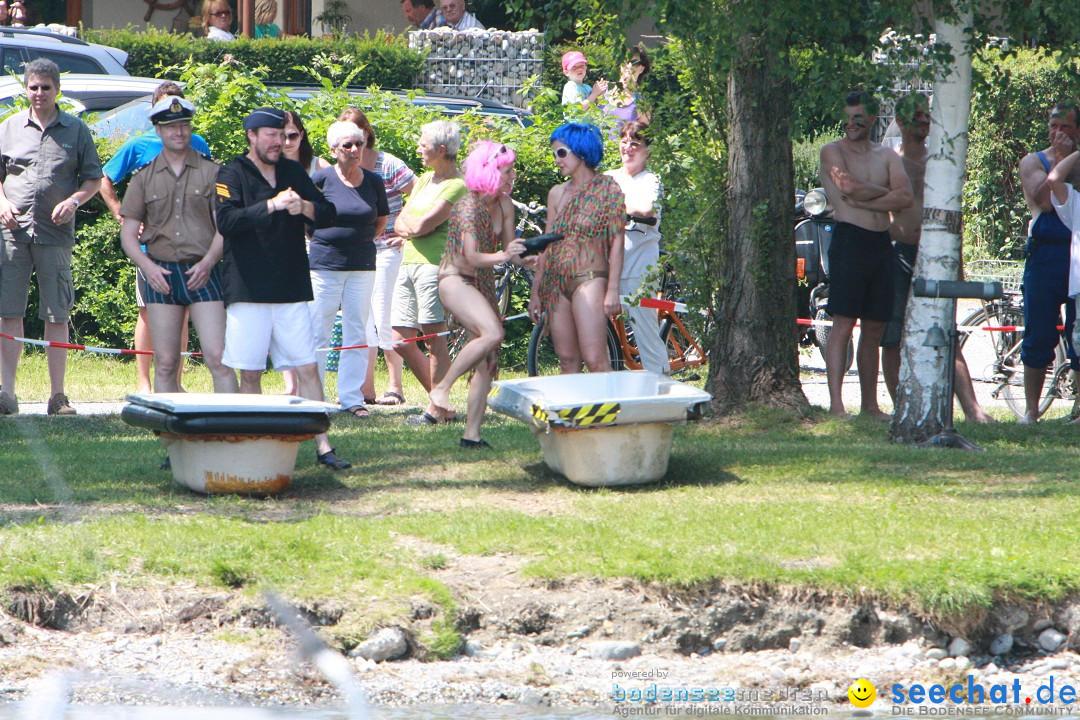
pixel 584 140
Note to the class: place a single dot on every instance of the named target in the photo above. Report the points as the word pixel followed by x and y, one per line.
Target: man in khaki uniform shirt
pixel 172 200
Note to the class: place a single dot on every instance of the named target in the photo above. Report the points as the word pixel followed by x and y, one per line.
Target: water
pixel 15 711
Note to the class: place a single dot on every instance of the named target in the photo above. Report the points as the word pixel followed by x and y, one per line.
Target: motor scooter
pixel 813 233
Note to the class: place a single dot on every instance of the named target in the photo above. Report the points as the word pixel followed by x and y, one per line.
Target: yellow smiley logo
pixel 861 693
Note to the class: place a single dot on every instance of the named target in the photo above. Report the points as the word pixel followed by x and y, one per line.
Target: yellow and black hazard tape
pixel 581 416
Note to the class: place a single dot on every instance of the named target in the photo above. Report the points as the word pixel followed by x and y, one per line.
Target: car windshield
pixel 129 119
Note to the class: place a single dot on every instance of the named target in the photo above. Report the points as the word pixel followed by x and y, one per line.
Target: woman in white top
pixel 216 20
pixel 641 246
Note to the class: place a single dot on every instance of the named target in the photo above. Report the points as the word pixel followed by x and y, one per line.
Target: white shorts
pixel 252 330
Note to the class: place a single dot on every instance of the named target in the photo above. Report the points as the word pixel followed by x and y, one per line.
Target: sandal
pixel 358 411
pixel 426 418
pixel 391 398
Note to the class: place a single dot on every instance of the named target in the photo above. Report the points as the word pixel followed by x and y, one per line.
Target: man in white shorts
pixel 264 201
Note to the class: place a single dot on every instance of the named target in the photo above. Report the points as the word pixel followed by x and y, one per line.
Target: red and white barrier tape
pixel 962 328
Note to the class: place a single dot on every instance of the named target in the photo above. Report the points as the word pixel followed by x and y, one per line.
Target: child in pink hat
pixel 574 66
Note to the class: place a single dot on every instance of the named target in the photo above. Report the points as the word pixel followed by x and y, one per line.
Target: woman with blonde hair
pixel 216 20
pixel 265 14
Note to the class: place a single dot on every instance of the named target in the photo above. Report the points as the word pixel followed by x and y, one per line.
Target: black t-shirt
pixel 264 256
pixel 350 243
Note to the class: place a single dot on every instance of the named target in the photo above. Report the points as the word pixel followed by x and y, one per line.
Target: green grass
pixel 768 499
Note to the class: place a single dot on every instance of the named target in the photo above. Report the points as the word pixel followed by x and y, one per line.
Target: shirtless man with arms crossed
pixel 913 118
pixel 864 183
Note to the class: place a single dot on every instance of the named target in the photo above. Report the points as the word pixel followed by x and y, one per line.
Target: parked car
pixel 131 118
pixel 19 46
pixel 88 93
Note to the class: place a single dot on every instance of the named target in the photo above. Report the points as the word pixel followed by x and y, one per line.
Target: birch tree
pixel 923 396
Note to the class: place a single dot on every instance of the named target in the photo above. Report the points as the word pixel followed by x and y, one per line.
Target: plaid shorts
pixel 178 292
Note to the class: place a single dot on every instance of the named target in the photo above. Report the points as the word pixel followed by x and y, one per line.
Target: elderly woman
pixel 399 180
pixel 577 278
pixel 216 20
pixel 342 258
pixel 422 229
pixel 641 247
pixel 481 236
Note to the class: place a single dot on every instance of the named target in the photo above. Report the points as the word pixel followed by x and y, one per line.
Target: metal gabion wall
pixel 479 63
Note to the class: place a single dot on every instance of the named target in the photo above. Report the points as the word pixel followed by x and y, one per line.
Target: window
pixel 69 63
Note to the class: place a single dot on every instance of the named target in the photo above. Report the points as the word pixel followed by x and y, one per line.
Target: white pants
pixel 387 263
pixel 349 290
pixel 646 331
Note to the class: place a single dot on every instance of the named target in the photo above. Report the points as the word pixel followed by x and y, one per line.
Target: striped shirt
pixel 396 176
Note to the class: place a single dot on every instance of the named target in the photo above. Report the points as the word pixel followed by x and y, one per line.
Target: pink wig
pixel 483 165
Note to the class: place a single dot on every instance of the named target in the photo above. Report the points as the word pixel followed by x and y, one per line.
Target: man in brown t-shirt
pixel 172 201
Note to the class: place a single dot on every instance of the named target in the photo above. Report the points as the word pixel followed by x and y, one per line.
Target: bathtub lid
pixel 218 403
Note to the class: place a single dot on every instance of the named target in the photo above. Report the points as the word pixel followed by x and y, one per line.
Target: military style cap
pixel 265 117
pixel 171 109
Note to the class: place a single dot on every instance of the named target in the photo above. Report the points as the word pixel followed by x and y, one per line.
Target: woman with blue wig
pixel 577 278
pixel 481 236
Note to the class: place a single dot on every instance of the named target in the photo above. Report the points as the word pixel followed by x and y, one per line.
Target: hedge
pixel 387 60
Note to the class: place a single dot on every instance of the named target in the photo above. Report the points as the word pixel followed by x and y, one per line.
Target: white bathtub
pixel 601 429
pixel 230 443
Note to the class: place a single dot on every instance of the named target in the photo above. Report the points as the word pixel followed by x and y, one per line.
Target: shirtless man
pixel 1046 268
pixel 864 183
pixel 913 119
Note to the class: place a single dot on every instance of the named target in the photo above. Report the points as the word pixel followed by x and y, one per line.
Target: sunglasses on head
pixel 562 152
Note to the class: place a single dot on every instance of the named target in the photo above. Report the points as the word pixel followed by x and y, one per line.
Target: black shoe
pixel 167 465
pixel 474 444
pixel 332 461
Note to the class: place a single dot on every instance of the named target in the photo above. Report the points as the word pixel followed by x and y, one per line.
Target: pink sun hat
pixel 571 59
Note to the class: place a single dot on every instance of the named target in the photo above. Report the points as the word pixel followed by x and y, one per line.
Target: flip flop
pixel 391 398
pixel 358 411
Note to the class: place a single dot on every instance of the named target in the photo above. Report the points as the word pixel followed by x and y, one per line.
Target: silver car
pixel 19 46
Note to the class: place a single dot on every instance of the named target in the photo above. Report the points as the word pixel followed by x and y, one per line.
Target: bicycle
pixel 510 280
pixel 684 351
pixel 1002 342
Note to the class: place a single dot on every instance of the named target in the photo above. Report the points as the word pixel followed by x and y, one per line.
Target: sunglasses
pixel 562 152
pixel 222 13
pixel 292 137
pixel 42 88
pixel 348 145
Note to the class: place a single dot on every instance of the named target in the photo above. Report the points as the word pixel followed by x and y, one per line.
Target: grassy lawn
pixel 767 499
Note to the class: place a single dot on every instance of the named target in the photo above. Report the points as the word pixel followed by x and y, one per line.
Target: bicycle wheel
pixel 684 351
pixel 1054 384
pixel 993 356
pixel 542 359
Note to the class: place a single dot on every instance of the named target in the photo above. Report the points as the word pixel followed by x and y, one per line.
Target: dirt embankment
pixel 527 641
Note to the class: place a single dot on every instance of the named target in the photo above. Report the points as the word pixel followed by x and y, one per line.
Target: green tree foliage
pixel 1011 102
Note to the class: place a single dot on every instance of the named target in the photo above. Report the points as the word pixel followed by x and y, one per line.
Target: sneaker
pixel 332 461
pixel 58 405
pixel 9 404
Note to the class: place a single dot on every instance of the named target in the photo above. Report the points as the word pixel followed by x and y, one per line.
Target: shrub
pixel 387 60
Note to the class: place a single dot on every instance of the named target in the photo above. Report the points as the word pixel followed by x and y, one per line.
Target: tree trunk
pixel 754 356
pixel 922 397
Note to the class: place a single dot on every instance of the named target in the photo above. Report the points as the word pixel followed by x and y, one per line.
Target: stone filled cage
pixel 492 64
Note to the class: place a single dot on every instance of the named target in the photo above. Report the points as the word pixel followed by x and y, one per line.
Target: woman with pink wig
pixel 481 236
